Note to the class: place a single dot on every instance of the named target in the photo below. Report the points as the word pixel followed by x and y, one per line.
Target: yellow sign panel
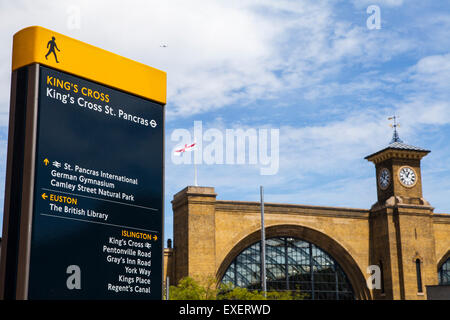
pixel 46 47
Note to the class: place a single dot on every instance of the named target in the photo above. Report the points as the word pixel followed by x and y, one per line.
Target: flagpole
pixel 195 174
pixel 181 150
pixel 194 148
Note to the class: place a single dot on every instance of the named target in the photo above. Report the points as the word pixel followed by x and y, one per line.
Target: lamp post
pixel 263 245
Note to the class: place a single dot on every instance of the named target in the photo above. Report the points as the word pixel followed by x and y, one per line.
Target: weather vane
pixel 395 137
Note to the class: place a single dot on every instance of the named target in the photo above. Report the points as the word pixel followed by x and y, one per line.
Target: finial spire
pixel 395 137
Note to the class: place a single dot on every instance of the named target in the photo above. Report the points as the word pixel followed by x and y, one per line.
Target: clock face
pixel 384 178
pixel 407 176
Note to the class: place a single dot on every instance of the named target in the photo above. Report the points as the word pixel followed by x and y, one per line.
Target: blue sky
pixel 311 69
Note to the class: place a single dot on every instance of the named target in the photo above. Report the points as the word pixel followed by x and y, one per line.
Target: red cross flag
pixel 181 150
pixel 187 147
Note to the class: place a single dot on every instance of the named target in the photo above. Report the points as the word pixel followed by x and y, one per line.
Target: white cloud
pixel 323 149
pixel 426 93
pixel 433 71
pixel 218 52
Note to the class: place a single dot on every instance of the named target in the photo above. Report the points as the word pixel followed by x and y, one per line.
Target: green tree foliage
pixel 190 289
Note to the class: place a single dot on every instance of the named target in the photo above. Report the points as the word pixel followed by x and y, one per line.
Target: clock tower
pixel 401 227
pixel 398 175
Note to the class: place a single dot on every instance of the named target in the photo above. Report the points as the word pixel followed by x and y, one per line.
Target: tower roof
pixel 399 149
pixel 403 146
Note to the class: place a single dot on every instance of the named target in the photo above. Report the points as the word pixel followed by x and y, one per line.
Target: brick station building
pixel 322 251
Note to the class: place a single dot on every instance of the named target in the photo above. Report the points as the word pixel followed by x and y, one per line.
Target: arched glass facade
pixel 291 264
pixel 444 273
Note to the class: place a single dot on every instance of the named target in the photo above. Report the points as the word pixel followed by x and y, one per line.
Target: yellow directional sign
pixel 110 110
pixel 49 48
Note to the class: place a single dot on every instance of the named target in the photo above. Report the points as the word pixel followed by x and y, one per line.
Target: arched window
pixel 444 273
pixel 419 276
pixel 291 264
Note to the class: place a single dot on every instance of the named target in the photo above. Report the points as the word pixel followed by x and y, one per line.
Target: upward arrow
pixel 46 161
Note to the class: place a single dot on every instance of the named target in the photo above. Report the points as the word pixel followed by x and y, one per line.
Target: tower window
pixel 419 276
pixel 382 277
pixel 444 273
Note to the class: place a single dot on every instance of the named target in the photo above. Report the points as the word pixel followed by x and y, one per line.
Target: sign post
pixel 263 245
pixel 83 215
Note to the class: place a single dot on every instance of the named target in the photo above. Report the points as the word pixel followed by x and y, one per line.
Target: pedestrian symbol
pixel 51 45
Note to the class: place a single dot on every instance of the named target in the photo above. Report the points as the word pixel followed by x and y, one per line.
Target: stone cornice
pixel 397 154
pixel 194 195
pixel 441 218
pixel 292 209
